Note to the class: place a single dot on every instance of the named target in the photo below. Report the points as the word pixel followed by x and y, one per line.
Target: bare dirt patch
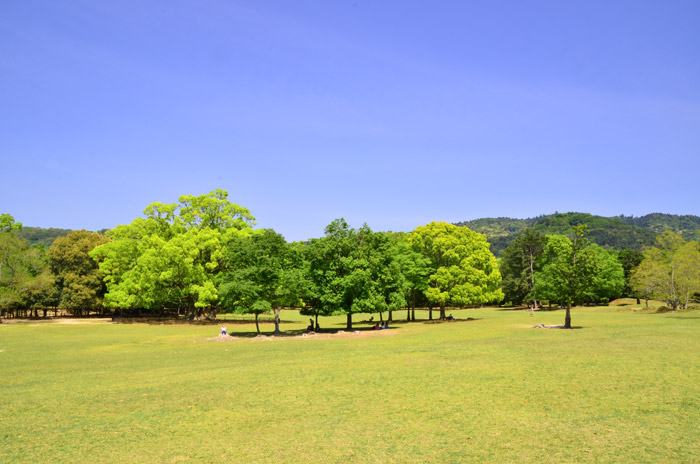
pixel 92 320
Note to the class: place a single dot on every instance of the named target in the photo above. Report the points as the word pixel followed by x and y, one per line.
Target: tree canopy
pixel 80 285
pixel 354 271
pixel 669 271
pixel 168 259
pixel 464 271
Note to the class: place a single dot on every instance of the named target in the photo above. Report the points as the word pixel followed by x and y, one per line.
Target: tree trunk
pixel 277 320
pixel 638 302
pixel 647 302
pixel 408 314
pixel 442 312
pixel 532 284
pixel 349 327
pixel 413 305
pixel 430 313
pixel 381 317
pixel 567 319
pixel 316 315
pixel 257 327
pixel 391 318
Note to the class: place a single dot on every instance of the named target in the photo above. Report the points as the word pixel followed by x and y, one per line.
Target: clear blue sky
pixel 394 113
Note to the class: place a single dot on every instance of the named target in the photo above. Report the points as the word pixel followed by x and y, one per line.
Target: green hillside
pixel 39 235
pixel 618 232
pixel 687 225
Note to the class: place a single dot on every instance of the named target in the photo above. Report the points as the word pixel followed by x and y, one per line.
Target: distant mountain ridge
pixel 618 232
pixel 39 235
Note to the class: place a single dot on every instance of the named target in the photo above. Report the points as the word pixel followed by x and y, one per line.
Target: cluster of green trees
pixel 571 270
pixel 566 270
pixel 669 271
pixel 34 278
pixel 201 256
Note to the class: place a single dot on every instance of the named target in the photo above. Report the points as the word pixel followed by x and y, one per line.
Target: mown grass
pixel 621 387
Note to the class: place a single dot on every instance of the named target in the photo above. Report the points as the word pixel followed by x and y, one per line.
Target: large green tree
pixel 609 276
pixel 168 259
pixel 354 271
pixel 77 276
pixel 568 272
pixel 464 271
pixel 670 271
pixel 415 269
pixel 262 272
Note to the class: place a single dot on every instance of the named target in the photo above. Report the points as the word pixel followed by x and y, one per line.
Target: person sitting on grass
pixel 223 331
pixel 376 326
pixel 450 318
pixel 385 325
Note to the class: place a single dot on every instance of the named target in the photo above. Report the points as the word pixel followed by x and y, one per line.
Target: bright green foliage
pixel 568 272
pixel 518 266
pixel 262 275
pixel 669 271
pixel 608 278
pixel 79 283
pixel 464 271
pixel 168 259
pixel 354 271
pixel 8 224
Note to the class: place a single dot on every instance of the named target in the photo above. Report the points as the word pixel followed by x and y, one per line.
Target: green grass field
pixel 621 387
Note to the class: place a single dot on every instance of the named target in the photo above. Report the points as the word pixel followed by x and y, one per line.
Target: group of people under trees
pixel 378 326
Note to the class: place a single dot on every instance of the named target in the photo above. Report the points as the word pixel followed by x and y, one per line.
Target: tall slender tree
pixel 519 264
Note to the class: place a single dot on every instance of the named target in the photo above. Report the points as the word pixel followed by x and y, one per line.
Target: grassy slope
pixel 623 388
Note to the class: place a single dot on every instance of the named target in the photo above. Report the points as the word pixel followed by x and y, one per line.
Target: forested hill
pixel 686 225
pixel 38 235
pixel 618 232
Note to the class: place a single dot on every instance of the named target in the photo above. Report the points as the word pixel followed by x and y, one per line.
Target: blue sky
pixel 393 113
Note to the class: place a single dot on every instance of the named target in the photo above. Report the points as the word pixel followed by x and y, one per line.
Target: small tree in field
pixel 569 270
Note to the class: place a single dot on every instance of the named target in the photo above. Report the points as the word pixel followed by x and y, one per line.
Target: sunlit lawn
pixel 621 387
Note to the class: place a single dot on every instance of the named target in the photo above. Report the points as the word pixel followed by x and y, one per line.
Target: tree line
pixel 202 256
